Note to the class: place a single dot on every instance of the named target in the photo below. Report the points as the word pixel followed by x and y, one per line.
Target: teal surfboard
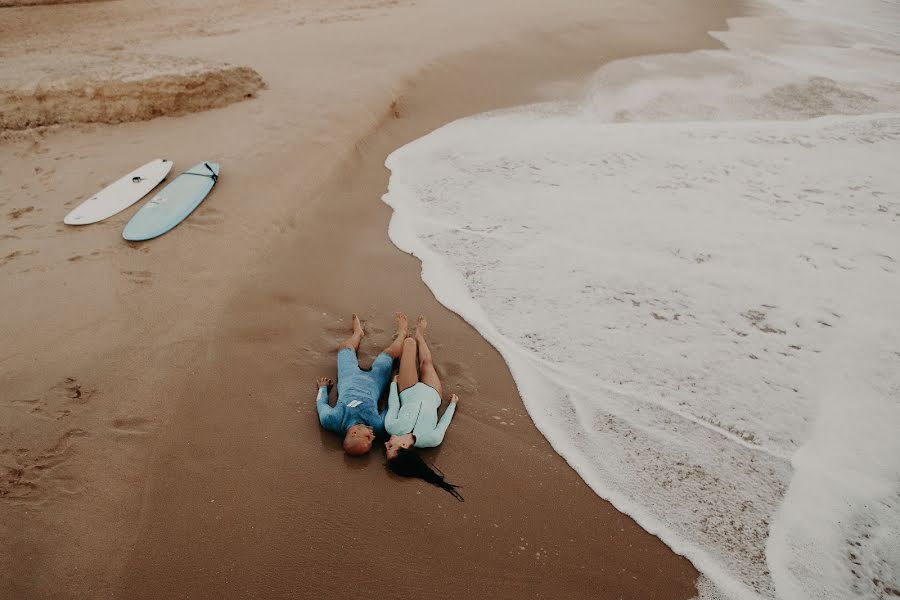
pixel 173 203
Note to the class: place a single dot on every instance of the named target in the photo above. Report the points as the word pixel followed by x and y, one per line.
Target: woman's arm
pixel 392 417
pixel 436 436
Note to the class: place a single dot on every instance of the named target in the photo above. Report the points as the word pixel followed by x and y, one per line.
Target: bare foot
pixel 402 325
pixel 357 326
pixel 421 326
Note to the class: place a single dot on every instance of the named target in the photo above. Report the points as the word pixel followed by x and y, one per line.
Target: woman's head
pixel 398 442
pixel 406 463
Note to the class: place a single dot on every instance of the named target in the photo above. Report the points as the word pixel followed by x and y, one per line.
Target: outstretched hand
pixel 324 381
pixel 454 399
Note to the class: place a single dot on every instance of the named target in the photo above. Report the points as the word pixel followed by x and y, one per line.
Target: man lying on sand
pixel 355 415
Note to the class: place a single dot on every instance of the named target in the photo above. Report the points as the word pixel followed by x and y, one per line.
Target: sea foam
pixel 693 276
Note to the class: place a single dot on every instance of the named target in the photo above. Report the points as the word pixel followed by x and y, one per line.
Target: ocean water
pixel 693 276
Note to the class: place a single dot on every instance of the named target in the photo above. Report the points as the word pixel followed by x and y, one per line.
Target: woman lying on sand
pixel 412 418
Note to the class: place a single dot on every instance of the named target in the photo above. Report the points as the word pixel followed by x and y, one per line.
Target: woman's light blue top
pixel 414 410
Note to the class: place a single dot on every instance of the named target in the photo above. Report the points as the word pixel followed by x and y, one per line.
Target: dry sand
pixel 159 436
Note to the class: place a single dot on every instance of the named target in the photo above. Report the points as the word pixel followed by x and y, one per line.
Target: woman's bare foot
pixel 402 325
pixel 421 326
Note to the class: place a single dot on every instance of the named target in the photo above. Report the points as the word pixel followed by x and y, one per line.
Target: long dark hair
pixel 408 463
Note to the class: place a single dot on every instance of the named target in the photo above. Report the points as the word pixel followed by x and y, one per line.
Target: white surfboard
pixel 120 194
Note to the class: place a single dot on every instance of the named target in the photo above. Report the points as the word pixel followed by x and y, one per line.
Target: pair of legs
pixel 396 347
pixel 358 438
pixel 413 371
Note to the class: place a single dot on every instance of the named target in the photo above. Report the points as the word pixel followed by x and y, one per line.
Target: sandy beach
pixel 159 435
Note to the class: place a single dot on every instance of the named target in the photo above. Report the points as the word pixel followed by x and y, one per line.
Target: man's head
pixel 358 440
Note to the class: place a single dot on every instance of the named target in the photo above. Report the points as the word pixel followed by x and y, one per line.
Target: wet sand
pixel 159 422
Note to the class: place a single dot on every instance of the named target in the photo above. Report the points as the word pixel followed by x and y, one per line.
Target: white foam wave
pixel 700 316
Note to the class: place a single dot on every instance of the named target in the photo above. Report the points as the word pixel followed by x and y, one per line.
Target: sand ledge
pixel 117 89
pixel 16 3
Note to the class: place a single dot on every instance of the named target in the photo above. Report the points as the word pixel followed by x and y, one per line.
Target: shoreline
pixel 238 461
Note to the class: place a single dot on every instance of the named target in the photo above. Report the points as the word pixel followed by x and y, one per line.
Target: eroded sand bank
pixel 13 3
pixel 51 90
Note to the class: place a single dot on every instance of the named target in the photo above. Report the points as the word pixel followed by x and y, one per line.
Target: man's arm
pixel 327 414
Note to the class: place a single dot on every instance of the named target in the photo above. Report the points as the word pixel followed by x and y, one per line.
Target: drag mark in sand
pixel 131 425
pixel 207 218
pixel 139 277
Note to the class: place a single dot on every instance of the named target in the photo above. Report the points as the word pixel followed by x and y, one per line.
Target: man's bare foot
pixel 421 326
pixel 402 325
pixel 357 326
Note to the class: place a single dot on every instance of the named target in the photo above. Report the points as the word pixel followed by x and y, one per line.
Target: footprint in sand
pixel 10 257
pixel 72 389
pixel 60 400
pixel 14 255
pixel 17 213
pixel 22 470
pixel 139 277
